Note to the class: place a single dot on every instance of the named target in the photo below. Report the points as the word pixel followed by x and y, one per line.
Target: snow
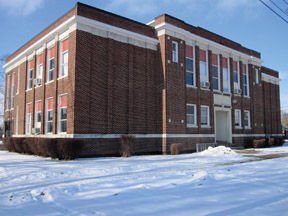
pixel 217 181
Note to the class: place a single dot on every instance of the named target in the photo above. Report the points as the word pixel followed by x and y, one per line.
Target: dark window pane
pixel 52 64
pixel 189 64
pixel 63 113
pixel 215 71
pixel 235 76
pixel 189 79
pixel 63 126
pixel 39 117
pixel 215 84
pixel 190 109
pixel 50 127
pixel 50 115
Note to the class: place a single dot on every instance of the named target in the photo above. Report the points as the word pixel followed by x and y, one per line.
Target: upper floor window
pixel 204 78
pixel 8 91
pixel 237 115
pixel 18 80
pixel 39 70
pixel 174 51
pixel 12 90
pixel 190 72
pixel 245 80
pixel 257 76
pixel 226 76
pixel 191 115
pixel 64 55
pixel 62 119
pixel 30 74
pixel 236 78
pixel 28 118
pixel 215 72
pixel 38 112
pixel 247 119
pixel 50 64
pixel 49 116
pixel 205 118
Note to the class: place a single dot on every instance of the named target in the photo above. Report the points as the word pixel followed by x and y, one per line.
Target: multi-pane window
pixel 191 115
pixel 203 67
pixel 215 72
pixel 39 70
pixel 190 73
pixel 245 80
pixel 50 64
pixel 38 112
pixel 257 76
pixel 12 90
pixel 18 80
pixel 236 77
pixel 8 92
pixel 64 54
pixel 62 120
pixel 174 51
pixel 225 74
pixel 49 116
pixel 237 115
pixel 30 74
pixel 205 121
pixel 247 119
pixel 28 118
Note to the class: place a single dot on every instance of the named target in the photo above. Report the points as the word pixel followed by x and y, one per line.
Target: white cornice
pixel 270 79
pixel 190 38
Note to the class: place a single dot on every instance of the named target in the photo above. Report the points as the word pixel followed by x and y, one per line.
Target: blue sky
pixel 245 21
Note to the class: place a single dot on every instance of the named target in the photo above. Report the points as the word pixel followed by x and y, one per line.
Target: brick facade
pixel 122 79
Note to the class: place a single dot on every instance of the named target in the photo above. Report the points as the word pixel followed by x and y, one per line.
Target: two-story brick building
pixel 94 75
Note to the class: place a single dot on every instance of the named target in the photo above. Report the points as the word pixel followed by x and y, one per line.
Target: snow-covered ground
pixel 214 182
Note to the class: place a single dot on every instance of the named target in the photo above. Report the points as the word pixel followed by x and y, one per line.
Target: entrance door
pixel 222 126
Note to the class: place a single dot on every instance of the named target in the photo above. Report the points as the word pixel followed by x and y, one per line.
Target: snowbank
pixel 219 151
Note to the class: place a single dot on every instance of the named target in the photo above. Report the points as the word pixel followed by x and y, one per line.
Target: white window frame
pixel 208 116
pixel 247 84
pixel 8 84
pixel 35 115
pixel 256 76
pixel 228 75
pixel 59 114
pixel 249 120
pixel 12 90
pixel 28 129
pixel 46 116
pixel 236 85
pixel 28 77
pixel 195 116
pixel 191 72
pixel 204 78
pixel 62 65
pixel 39 70
pixel 240 119
pixel 218 73
pixel 48 66
pixel 18 80
pixel 175 52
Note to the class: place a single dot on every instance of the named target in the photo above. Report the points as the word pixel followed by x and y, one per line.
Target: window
pixel 245 80
pixel 174 51
pixel 257 76
pixel 8 92
pixel 236 78
pixel 64 54
pixel 28 118
pixel 191 115
pixel 205 121
pixel 12 90
pixel 237 118
pixel 190 73
pixel 62 124
pixel 30 75
pixel 39 69
pixel 203 66
pixel 18 80
pixel 226 77
pixel 247 119
pixel 50 64
pixel 49 116
pixel 38 109
pixel 215 73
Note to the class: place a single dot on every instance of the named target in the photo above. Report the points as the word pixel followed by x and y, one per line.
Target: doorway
pixel 223 127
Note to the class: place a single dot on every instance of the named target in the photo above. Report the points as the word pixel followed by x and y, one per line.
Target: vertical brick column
pixel 33 91
pixel 55 95
pixel 110 86
pixel 44 77
pixel 130 127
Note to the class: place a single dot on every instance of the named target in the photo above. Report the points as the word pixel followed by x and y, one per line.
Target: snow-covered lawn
pixel 212 183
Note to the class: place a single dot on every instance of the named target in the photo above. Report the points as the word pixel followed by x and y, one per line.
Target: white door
pixel 222 126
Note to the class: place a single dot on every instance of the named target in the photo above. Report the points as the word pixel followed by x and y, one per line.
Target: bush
pixel 176 148
pixel 279 141
pixel 260 143
pixel 9 143
pixel 68 149
pixel 271 141
pixel 127 145
pixel 248 142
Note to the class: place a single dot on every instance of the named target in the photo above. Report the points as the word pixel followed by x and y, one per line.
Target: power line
pixel 273 11
pixel 278 7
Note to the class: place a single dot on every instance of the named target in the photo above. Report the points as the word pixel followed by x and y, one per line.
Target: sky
pixel 247 22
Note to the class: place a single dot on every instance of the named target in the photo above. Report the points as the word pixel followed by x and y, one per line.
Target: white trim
pixel 35 113
pixel 270 79
pixel 59 113
pixel 18 80
pixel 208 117
pixel 46 115
pixel 255 135
pixel 240 119
pixel 175 31
pixel 249 120
pixel 195 116
pixel 115 136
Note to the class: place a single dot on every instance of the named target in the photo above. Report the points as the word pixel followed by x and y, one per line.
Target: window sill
pixel 7 110
pixel 205 89
pixel 247 128
pixel 63 77
pixel 192 126
pixel 217 91
pixel 238 95
pixel 38 86
pixel 191 86
pixel 203 126
pixel 27 90
pixel 47 83
pixel 238 128
pixel 246 97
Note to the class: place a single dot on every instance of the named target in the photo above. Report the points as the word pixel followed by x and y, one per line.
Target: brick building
pixel 94 75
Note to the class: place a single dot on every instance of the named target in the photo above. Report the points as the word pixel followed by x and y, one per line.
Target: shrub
pixel 271 141
pixel 68 149
pixel 279 141
pixel 248 142
pixel 127 145
pixel 260 143
pixel 9 143
pixel 176 148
